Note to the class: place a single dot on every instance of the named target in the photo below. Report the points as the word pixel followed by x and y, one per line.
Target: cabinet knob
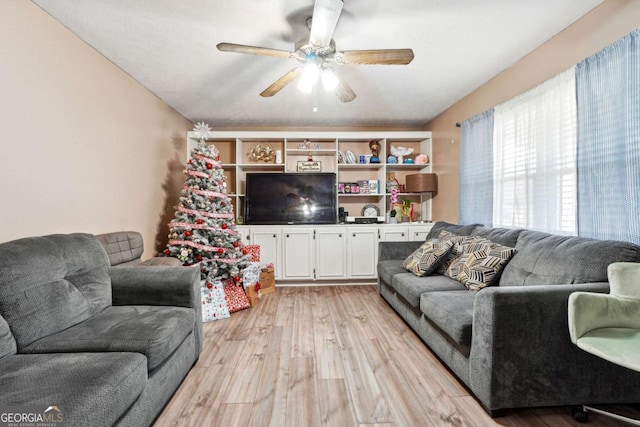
pixel 354 234
pixel 340 235
pixel 402 234
pixel 274 236
pixel 287 236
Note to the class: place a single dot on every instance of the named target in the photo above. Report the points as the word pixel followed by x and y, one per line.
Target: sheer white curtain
pixel 534 151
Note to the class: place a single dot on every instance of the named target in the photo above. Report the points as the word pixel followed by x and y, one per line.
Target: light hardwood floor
pixel 330 356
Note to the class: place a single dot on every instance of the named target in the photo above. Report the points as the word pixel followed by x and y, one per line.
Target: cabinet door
pixel 362 252
pixel 270 242
pixel 419 233
pixel 394 234
pixel 331 253
pixel 298 253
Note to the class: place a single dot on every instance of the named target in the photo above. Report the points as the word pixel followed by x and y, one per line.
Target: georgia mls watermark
pixel 31 416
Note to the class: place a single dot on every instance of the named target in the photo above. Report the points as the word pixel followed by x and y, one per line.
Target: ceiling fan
pixel 317 50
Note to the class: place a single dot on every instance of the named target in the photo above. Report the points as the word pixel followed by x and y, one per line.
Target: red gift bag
pixel 236 298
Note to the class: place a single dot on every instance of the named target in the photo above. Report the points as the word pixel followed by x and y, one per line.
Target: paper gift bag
pixel 253 294
pixel 214 305
pixel 267 279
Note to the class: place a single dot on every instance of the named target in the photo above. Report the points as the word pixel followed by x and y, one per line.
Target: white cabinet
pixel 331 253
pixel 419 233
pixel 362 252
pixel 298 253
pixel 394 233
pixel 270 241
pixel 326 252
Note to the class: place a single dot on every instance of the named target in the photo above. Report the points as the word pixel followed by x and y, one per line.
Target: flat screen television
pixel 290 198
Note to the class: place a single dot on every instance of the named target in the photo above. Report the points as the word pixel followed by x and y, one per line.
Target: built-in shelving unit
pixel 329 148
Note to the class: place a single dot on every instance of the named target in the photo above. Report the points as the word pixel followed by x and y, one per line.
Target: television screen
pixel 290 198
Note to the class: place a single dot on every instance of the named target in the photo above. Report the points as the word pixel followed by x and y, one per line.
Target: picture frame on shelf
pixel 309 166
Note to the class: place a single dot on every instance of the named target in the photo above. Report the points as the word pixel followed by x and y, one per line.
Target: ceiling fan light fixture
pixel 309 78
pixel 329 79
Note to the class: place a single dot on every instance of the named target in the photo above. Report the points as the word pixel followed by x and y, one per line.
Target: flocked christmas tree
pixel 203 230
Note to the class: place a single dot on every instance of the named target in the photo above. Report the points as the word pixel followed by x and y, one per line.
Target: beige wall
pixel 84 147
pixel 608 22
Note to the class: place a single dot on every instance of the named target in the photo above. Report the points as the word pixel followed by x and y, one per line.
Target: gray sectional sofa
pixel 104 346
pixel 509 343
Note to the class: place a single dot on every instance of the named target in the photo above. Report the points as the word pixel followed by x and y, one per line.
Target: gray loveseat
pixel 509 343
pixel 104 346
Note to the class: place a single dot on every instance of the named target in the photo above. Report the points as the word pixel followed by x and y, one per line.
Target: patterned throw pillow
pixel 427 257
pixel 456 250
pixel 480 263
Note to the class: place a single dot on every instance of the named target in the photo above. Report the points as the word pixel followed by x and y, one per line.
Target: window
pixel 534 155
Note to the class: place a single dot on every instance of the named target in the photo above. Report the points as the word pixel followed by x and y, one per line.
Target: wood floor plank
pixel 406 406
pixel 303 405
pixel 228 414
pixel 328 360
pixel 336 408
pixel 370 406
pixel 302 344
pixel 384 374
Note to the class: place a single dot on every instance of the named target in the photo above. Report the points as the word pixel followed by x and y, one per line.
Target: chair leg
pixel 580 414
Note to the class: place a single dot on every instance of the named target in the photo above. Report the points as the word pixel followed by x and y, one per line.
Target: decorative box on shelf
pixel 422 183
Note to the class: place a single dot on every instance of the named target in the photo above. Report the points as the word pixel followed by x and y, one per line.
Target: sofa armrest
pixel 172 286
pixel 521 352
pixel 146 285
pixel 396 250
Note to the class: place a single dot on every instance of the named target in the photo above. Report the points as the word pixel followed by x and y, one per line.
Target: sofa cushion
pixel 460 230
pixel 122 246
pixel 50 283
pixel 389 268
pixel 7 342
pixel 411 287
pixel 455 252
pixel 154 331
pixel 89 389
pixel 428 257
pixel 480 263
pixel 548 259
pixel 452 312
pixel 504 236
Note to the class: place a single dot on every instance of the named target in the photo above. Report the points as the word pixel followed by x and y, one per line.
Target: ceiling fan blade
pixel 382 56
pixel 324 21
pixel 279 84
pixel 253 50
pixel 343 90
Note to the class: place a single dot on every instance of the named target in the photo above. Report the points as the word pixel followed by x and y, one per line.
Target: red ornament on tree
pixel 220 250
pixel 236 244
pixel 209 285
pixel 244 251
pixel 167 252
pixel 209 166
pixel 187 233
pixel 199 257
pixel 224 226
pixel 222 204
pixel 237 279
pixel 199 221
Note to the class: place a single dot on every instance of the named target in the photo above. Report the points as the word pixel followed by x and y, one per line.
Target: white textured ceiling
pixel 169 47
